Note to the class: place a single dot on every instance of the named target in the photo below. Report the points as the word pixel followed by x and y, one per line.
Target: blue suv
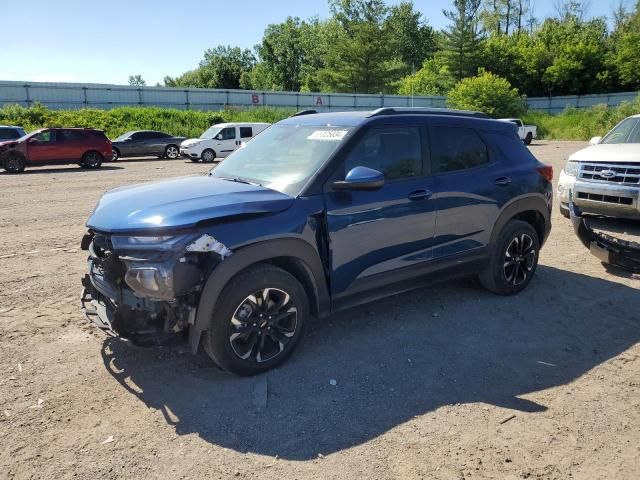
pixel 318 213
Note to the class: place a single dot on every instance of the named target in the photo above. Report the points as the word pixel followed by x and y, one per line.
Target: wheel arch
pixel 295 256
pixel 532 209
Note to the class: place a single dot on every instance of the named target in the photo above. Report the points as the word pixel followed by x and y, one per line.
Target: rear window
pixel 246 132
pixel 457 148
pixel 9 134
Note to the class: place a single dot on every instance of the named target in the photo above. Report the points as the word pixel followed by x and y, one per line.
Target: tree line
pixel 367 46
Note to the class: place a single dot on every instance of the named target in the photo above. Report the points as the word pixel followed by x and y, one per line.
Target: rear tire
pixel 171 152
pixel 115 155
pixel 564 211
pixel 514 259
pixel 250 334
pixel 91 159
pixel 528 139
pixel 208 155
pixel 15 162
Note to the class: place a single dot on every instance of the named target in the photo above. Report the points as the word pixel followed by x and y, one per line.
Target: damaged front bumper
pixel 146 292
pixel 610 250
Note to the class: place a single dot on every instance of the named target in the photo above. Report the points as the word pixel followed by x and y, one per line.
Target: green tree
pixel 137 81
pixel 412 40
pixel 360 59
pixel 222 67
pixel 462 38
pixel 433 78
pixel 487 93
pixel 626 50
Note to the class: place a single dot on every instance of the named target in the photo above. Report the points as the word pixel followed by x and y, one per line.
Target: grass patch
pixel 186 123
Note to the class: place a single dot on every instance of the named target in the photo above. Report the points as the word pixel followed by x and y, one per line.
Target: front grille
pixel 626 173
pixel 596 197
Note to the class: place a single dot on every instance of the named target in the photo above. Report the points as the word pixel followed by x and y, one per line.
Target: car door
pixel 155 143
pixel 226 141
pixel 470 188
pixel 71 144
pixel 42 148
pixel 134 145
pixel 374 234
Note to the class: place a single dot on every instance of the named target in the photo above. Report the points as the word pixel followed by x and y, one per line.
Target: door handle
pixel 420 195
pixel 503 181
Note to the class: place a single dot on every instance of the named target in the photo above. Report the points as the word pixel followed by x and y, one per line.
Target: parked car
pixel 50 146
pixel 143 143
pixel 526 132
pixel 9 132
pixel 320 212
pixel 220 140
pixel 604 178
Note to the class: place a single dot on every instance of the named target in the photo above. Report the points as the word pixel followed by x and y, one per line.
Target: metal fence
pixel 81 95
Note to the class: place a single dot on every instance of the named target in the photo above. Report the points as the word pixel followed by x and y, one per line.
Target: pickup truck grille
pixel 626 173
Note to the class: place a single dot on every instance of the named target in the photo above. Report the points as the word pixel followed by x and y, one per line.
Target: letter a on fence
pixel 319 101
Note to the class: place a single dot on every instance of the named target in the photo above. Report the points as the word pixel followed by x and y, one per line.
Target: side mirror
pixel 360 178
pixel 595 140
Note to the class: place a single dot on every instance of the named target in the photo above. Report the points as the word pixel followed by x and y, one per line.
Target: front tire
pixel 115 155
pixel 15 163
pixel 514 259
pixel 91 159
pixel 258 321
pixel 171 152
pixel 564 211
pixel 208 155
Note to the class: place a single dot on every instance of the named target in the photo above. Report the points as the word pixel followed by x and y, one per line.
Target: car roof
pixel 240 124
pixel 394 115
pixel 9 126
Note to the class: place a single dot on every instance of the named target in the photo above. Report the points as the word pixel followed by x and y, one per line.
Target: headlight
pixel 152 281
pixel 158 243
pixel 571 168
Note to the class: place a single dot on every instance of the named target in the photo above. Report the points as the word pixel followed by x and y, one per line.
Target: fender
pixel 250 255
pixel 537 203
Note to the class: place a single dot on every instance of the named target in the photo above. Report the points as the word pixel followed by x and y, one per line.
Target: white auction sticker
pixel 330 135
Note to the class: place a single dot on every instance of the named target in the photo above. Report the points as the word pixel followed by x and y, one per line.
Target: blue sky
pixel 105 42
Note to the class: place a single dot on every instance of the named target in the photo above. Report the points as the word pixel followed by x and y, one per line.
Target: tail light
pixel 546 171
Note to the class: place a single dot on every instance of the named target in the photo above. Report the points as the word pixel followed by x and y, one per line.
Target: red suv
pixel 49 146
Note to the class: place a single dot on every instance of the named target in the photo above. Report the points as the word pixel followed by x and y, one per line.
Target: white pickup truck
pixel 526 132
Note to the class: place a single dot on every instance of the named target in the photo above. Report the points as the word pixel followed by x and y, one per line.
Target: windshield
pixel 627 131
pixel 211 132
pixel 123 137
pixel 283 157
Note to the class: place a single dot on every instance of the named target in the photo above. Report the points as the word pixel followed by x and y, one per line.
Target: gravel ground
pixel 448 382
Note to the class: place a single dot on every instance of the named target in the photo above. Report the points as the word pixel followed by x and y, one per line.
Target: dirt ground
pixel 448 382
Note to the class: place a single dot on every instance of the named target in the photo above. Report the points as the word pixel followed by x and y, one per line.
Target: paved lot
pixel 447 382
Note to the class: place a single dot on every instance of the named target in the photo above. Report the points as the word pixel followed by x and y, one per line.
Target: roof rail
pixel 303 112
pixel 426 111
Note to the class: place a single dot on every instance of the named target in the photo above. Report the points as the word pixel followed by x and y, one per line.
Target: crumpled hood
pixel 181 202
pixel 6 144
pixel 622 152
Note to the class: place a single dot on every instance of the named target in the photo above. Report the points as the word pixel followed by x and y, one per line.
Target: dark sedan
pixel 146 143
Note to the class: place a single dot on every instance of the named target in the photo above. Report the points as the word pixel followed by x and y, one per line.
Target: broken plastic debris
pixel 333 382
pixel 206 243
pixel 39 404
pixel 108 440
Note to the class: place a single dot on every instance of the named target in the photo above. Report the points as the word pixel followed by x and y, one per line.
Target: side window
pixel 396 152
pixel 228 133
pixel 8 134
pixel 518 123
pixel 45 137
pixel 457 148
pixel 136 137
pixel 246 132
pixel 69 135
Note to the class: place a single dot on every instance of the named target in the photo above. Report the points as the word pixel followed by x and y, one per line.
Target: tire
pixel 238 345
pixel 171 152
pixel 564 211
pixel 208 155
pixel 115 155
pixel 15 162
pixel 519 245
pixel 91 159
pixel 528 139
